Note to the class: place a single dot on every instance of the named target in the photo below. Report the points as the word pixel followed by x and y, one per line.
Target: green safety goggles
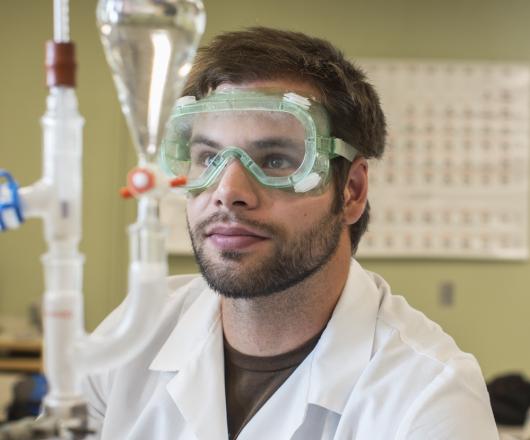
pixel 281 139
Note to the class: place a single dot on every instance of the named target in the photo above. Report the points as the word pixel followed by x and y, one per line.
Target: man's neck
pixel 283 321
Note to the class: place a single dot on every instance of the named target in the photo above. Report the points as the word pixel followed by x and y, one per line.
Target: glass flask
pixel 149 45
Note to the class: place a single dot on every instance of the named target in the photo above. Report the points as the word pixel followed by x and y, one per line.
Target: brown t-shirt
pixel 251 380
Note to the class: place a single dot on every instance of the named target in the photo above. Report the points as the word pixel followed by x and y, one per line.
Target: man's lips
pixel 233 237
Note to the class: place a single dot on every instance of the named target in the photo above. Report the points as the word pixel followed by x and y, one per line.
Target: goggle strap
pixel 344 149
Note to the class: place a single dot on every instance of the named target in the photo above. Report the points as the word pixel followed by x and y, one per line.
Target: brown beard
pixel 292 261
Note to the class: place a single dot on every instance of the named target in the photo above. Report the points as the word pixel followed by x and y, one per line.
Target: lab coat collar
pixel 326 378
pixel 199 323
pixel 346 345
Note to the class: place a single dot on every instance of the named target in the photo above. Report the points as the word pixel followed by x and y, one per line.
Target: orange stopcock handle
pixel 141 180
pixel 178 181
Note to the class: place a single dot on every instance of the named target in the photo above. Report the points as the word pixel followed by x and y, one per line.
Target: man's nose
pixel 236 188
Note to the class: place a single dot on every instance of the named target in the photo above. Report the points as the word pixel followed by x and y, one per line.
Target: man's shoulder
pixel 421 380
pixel 182 292
pixel 184 289
pixel 415 345
pixel 175 283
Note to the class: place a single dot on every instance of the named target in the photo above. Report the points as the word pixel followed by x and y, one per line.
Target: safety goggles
pixel 280 139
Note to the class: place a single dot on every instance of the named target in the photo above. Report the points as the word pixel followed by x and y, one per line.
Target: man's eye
pixel 277 162
pixel 202 158
pixel 207 159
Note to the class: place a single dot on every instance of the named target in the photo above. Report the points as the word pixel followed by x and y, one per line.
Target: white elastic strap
pixel 344 149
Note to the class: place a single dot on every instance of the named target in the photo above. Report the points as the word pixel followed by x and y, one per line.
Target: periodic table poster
pixel 454 179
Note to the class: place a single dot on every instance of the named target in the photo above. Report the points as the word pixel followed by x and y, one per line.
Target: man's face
pixel 250 240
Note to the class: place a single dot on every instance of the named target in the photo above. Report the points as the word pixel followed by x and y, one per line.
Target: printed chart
pixel 454 179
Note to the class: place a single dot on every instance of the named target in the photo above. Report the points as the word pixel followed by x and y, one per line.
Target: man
pixel 285 336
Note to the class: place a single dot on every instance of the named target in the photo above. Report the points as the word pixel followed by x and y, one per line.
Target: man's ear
pixel 355 191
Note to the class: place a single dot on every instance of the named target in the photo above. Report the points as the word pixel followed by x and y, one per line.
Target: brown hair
pixel 261 53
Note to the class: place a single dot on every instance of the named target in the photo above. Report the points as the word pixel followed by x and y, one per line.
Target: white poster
pixel 454 179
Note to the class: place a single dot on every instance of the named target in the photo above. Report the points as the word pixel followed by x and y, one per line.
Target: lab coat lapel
pixel 345 347
pixel 284 412
pixel 195 351
pixel 198 390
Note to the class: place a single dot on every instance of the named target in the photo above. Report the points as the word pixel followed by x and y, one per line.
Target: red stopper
pixel 60 64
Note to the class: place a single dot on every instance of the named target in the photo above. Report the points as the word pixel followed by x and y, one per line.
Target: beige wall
pixel 490 315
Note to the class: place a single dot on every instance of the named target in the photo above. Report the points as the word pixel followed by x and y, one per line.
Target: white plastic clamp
pixel 185 100
pixel 294 98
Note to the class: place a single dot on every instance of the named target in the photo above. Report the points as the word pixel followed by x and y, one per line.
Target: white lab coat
pixel 380 371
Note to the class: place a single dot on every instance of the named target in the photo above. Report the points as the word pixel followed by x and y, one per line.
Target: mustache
pixel 227 217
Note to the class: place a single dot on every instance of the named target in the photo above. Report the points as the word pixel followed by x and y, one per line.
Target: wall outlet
pixel 446 294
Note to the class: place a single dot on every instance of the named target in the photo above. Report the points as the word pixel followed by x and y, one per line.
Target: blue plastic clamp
pixel 13 203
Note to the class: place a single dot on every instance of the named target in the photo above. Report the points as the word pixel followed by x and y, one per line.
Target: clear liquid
pixel 149 64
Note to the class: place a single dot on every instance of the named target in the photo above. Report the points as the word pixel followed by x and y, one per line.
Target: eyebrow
pixel 200 139
pixel 270 142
